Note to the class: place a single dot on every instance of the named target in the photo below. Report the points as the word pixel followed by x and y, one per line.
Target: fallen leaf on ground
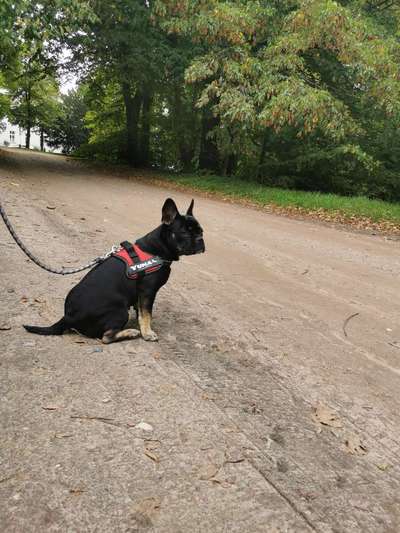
pixel 50 206
pixel 8 478
pixel 327 417
pixel 383 466
pixel 355 446
pixel 50 407
pixel 207 472
pixel 208 397
pixel 148 505
pixel 5 327
pixel 152 456
pixel 76 491
pixel 144 426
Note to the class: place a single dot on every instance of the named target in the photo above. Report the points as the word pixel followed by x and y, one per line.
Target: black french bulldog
pixel 98 306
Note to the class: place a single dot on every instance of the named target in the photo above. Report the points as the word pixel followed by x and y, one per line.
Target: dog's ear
pixel 169 211
pixel 190 210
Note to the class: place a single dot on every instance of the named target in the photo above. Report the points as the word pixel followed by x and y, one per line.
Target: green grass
pixel 358 206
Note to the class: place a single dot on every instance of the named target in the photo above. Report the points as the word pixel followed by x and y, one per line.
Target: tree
pixel 119 43
pixel 298 93
pixel 124 47
pixel 66 128
pixel 33 104
pixel 9 13
pixel 4 99
pixel 288 70
pixel 31 40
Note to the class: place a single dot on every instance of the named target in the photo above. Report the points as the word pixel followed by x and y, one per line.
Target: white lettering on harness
pixel 145 264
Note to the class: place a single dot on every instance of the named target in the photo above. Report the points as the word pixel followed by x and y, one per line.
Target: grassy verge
pixel 326 206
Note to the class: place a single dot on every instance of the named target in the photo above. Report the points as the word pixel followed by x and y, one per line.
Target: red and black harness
pixel 138 263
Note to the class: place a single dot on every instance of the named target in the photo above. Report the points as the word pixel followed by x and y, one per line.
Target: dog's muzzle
pixel 199 245
pixel 195 247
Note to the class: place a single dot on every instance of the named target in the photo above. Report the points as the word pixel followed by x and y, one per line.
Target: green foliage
pixel 4 99
pixel 298 87
pixel 31 36
pixel 66 128
pixel 33 103
pixel 110 149
pixel 301 93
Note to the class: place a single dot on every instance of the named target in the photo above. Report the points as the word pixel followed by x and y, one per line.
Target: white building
pixel 14 136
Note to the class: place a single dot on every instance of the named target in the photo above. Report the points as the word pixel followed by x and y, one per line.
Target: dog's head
pixel 184 232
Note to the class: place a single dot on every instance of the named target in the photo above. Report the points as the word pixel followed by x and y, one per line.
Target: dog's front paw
pixel 150 336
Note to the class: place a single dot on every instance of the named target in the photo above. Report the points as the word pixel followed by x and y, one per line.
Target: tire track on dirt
pixel 312 471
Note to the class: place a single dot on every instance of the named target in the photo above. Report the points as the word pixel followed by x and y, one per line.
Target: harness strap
pixel 130 249
pixel 128 246
pixel 138 263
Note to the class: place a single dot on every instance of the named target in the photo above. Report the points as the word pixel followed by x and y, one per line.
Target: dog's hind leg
pixel 112 335
pixel 115 328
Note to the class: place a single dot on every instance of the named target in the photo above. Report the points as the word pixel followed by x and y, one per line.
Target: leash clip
pixel 114 248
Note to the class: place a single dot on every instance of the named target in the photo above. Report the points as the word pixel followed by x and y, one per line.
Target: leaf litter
pixel 355 446
pixel 327 417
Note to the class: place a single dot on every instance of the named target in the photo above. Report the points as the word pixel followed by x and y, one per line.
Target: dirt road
pixel 252 341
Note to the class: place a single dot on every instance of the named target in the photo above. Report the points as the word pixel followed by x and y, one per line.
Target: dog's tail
pixel 56 329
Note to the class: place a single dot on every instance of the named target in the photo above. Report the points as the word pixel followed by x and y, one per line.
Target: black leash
pixel 61 271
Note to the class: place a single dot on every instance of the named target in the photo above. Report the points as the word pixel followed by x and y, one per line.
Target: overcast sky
pixel 68 81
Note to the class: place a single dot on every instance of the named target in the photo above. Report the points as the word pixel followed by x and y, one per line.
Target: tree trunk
pixel 28 120
pixel 28 137
pixel 230 159
pixel 263 153
pixel 144 157
pixel 186 148
pixel 41 140
pixel 132 112
pixel 209 156
pixel 229 165
pixel 186 156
